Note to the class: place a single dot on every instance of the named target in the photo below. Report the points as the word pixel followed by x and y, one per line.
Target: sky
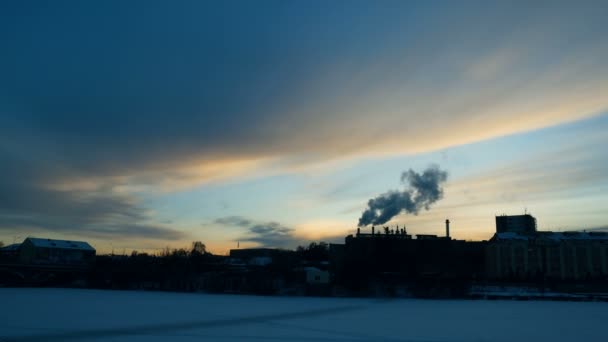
pixel 142 125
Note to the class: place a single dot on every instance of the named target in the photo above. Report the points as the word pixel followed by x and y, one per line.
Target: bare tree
pixel 199 247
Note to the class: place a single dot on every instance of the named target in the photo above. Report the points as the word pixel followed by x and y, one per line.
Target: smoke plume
pixel 424 190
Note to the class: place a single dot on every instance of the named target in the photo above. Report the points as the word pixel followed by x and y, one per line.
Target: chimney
pixel 447 229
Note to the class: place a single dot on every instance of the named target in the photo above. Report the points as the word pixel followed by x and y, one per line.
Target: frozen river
pixel 87 315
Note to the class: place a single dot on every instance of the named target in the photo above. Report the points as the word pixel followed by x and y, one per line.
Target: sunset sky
pixel 145 124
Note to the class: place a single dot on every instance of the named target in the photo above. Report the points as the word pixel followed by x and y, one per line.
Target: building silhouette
pixel 516 224
pixel 55 252
pixel 518 252
pixel 385 261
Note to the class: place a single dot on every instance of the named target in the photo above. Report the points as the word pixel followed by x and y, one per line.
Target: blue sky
pixel 141 125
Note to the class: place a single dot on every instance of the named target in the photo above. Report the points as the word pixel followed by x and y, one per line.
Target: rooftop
pixel 63 244
pixel 557 236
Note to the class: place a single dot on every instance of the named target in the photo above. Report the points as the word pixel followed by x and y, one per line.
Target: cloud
pixel 135 231
pixel 234 221
pixel 271 234
pixel 274 234
pixel 93 110
pixel 172 106
pixel 264 234
pixel 561 172
pixel 98 230
pixel 562 184
pixel 30 200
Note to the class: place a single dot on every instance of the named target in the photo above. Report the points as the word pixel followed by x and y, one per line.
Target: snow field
pixel 92 315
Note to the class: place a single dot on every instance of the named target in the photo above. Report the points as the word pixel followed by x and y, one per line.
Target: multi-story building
pixel 556 255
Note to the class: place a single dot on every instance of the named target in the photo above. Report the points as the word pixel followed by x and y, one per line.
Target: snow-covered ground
pixel 86 315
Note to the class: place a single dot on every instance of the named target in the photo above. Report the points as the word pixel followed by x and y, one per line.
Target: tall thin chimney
pixel 447 229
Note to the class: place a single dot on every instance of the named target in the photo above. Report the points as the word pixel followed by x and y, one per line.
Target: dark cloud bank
pixel 95 93
pixel 424 190
pixel 31 202
pixel 266 234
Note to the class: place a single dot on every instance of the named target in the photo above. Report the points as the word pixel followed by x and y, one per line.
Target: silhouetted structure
pixel 56 252
pixel 10 252
pixel 519 252
pixel 258 256
pixel 385 262
pixel 428 265
pixel 40 262
pixel 516 224
pixel 563 256
pixel 315 276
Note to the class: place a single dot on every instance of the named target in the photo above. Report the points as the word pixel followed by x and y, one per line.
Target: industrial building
pixel 518 252
pixel 391 259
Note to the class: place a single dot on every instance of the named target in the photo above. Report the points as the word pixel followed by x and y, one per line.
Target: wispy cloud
pixel 271 234
pixel 179 121
pixel 237 221
pixel 265 234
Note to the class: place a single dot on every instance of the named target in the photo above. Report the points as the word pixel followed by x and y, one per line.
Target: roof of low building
pixel 13 247
pixel 63 244
pixel 556 236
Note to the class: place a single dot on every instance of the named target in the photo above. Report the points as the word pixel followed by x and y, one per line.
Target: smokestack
pixel 447 229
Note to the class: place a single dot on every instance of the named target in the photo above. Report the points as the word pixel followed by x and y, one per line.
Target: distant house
pixel 315 276
pixel 56 252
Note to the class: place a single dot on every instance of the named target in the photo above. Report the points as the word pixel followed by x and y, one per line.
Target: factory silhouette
pixel 517 262
pixel 517 255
